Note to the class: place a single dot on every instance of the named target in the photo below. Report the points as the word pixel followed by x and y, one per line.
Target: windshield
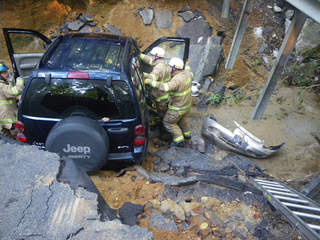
pixel 85 54
pixel 61 98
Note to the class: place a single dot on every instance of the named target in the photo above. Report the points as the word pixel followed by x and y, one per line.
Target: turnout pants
pixel 177 125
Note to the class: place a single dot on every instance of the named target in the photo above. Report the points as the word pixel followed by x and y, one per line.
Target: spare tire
pixel 81 139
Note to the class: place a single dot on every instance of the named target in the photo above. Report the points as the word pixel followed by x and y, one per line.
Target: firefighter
pixel 180 101
pixel 161 72
pixel 8 101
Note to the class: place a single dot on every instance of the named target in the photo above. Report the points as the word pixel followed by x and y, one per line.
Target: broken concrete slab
pixel 198 14
pixel 129 213
pixel 86 29
pixel 36 205
pixel 184 9
pixel 205 58
pixel 146 15
pixel 75 25
pixel 189 160
pixel 194 30
pixel 75 177
pixel 113 230
pixel 164 19
pixel 163 223
pixel 113 30
pixel 187 16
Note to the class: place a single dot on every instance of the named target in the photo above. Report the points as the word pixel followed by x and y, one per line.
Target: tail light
pixel 21 137
pixel 139 135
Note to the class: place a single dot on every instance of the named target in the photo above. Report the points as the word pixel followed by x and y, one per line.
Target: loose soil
pixel 291 116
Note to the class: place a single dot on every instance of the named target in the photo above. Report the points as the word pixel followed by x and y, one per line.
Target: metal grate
pixel 302 212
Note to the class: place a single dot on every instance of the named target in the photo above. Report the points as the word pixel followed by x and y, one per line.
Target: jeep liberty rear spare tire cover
pixel 81 139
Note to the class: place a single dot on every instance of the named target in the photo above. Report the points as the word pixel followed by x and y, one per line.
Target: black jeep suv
pixel 84 96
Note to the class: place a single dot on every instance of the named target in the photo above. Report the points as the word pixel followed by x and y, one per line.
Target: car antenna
pixel 47 78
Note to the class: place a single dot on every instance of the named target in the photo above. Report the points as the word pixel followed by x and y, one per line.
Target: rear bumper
pixel 130 157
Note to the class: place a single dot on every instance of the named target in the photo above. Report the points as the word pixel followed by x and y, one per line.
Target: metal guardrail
pixel 308 7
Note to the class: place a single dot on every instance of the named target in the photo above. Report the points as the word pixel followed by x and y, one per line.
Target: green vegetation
pixel 215 99
pixel 304 73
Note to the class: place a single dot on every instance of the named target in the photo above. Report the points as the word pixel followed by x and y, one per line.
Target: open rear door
pixel 173 46
pixel 25 48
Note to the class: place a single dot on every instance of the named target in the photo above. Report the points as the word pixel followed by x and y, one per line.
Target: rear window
pixel 97 54
pixel 66 97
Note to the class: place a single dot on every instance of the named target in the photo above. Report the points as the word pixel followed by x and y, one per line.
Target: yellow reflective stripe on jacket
pixel 6 102
pixel 153 83
pixel 15 91
pixel 164 97
pixel 8 120
pixel 153 77
pixel 145 59
pixel 181 94
pixel 179 139
pixel 184 108
pixel 187 134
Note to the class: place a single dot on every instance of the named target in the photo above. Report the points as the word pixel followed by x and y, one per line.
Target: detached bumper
pixel 240 140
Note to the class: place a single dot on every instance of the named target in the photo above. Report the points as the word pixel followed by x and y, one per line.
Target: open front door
pixel 173 46
pixel 25 48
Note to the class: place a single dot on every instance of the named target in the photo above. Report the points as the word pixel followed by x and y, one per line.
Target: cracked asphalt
pixel 35 205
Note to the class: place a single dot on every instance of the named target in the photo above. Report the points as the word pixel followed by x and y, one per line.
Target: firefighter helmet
pixel 176 63
pixel 157 51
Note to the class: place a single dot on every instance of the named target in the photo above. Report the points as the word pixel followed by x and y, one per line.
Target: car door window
pixel 173 47
pixel 26 43
pixel 136 79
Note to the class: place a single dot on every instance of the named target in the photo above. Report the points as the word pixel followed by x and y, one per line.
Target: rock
pixel 309 36
pixel 195 29
pixel 146 15
pixel 164 19
pixel 198 143
pixel 114 30
pixel 86 29
pixel 187 16
pixel 209 203
pixel 169 206
pixel 289 14
pixel 188 207
pixel 184 9
pixel 75 25
pixel 129 212
pixel 160 222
